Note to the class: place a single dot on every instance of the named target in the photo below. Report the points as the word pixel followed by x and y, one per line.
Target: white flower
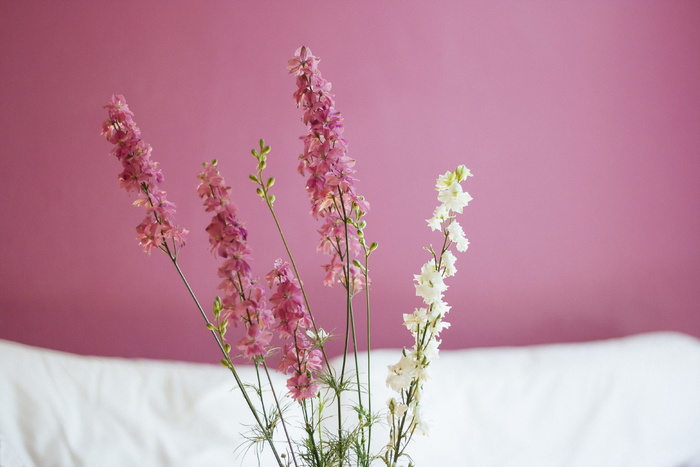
pixel 396 408
pixel 441 213
pixel 462 173
pixel 430 351
pixel 430 284
pixel 419 423
pixel 439 309
pixel 445 180
pixel 453 198
pixel 448 261
pixel 456 234
pixel 429 273
pixel 438 326
pixel 428 292
pixel 402 373
pixel 418 318
pixel 322 335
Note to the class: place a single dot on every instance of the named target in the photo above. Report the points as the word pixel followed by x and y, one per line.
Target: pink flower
pixel 244 299
pixel 141 174
pixel 330 183
pixel 255 342
pixel 299 357
pixel 302 386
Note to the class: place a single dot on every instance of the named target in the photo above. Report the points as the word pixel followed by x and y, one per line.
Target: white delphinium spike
pixel 407 376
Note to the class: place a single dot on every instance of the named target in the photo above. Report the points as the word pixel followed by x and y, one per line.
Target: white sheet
pixel 631 402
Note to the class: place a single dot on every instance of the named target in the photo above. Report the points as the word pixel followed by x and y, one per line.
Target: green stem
pixel 293 263
pixel 350 320
pixel 227 358
pixel 369 359
pixel 279 409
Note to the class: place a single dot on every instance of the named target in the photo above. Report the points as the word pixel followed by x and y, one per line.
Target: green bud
pixel 272 199
pixel 270 181
pixel 254 178
pixel 462 173
pixel 259 191
pixel 373 246
pixel 211 327
pixel 254 153
pixel 266 150
pixel 227 348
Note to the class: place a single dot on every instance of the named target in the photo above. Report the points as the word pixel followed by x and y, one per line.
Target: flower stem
pixel 227 358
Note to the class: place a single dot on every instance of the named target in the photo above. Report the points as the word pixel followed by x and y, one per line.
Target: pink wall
pixel 580 121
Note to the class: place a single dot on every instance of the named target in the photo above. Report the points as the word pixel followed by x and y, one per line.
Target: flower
pixel 301 357
pixel 141 174
pixel 440 215
pixel 244 299
pixel 456 234
pixel 448 263
pixel 453 198
pixel 407 376
pixel 402 373
pixel 330 185
pixel 302 386
pixel 429 283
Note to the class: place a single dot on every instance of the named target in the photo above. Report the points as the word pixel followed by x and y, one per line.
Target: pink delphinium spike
pixel 244 300
pixel 330 184
pixel 300 357
pixel 141 174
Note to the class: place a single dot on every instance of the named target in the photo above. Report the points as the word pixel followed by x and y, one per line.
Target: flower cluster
pixel 330 184
pixel 244 298
pixel 407 376
pixel 141 174
pixel 287 314
pixel 301 356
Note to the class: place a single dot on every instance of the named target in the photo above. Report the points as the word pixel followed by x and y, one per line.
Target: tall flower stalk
pixel 142 175
pixel 407 376
pixel 330 187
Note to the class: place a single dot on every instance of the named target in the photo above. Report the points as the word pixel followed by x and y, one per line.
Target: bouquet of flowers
pixel 270 323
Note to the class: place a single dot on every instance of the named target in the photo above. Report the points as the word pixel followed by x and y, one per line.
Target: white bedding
pixel 630 402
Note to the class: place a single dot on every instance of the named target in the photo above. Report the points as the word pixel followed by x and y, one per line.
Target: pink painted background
pixel 580 121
